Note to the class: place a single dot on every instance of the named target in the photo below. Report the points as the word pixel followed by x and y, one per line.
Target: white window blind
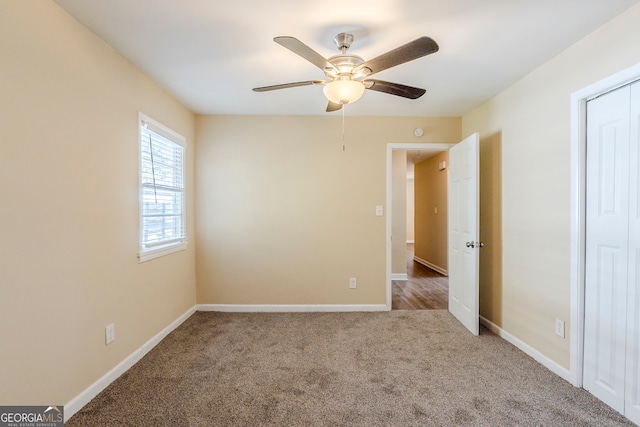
pixel 162 198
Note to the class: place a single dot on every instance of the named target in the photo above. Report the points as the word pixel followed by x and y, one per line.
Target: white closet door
pixel 607 216
pixel 632 373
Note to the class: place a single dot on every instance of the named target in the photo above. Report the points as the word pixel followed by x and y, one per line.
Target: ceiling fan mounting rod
pixel 343 41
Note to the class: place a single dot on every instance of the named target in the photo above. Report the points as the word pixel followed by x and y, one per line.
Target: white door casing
pixel 463 223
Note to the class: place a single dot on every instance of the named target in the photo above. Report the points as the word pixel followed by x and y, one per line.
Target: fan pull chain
pixel 344 106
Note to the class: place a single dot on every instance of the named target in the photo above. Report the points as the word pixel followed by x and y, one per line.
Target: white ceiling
pixel 210 53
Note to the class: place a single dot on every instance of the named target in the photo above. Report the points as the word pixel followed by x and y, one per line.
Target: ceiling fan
pixel 348 74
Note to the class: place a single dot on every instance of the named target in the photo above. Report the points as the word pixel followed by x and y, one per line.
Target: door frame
pixel 577 210
pixel 407 146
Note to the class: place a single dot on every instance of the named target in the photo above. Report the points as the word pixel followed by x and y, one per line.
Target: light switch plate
pixel 560 328
pixel 109 334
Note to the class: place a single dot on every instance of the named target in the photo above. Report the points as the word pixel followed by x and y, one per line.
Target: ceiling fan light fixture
pixel 348 74
pixel 343 91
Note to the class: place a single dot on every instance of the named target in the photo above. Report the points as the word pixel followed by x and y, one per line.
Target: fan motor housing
pixel 345 63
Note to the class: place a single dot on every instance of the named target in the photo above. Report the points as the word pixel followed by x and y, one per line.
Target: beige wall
pixel 399 217
pixel 526 129
pixel 284 216
pixel 431 192
pixel 410 209
pixel 491 228
pixel 69 212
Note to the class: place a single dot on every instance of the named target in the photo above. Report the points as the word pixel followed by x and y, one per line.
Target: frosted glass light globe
pixel 343 91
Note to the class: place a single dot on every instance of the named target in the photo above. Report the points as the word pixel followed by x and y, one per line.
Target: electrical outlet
pixel 560 328
pixel 352 283
pixel 109 334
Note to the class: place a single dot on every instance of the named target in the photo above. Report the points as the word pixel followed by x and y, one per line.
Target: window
pixel 162 194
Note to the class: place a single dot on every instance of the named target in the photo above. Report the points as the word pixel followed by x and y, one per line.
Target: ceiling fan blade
pixel 301 49
pixel 332 106
pixel 413 50
pixel 287 85
pixel 394 89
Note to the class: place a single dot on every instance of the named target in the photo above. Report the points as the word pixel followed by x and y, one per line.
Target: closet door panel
pixel 632 372
pixel 607 255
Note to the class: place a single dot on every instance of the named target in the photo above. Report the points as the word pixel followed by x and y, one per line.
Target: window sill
pixel 157 253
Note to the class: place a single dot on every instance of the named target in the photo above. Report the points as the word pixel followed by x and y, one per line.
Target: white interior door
pixel 632 370
pixel 464 239
pixel 607 244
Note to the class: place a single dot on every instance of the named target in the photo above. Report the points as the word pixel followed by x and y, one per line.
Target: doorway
pixel 423 283
pixel 420 272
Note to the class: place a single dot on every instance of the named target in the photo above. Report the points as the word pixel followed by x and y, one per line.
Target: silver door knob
pixel 474 244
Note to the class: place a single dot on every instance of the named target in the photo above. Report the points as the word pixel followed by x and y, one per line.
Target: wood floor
pixel 426 289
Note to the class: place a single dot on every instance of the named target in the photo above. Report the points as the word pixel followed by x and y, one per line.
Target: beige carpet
pixel 403 368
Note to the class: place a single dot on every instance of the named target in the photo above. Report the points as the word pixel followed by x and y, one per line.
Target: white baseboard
pixel 399 276
pixel 287 308
pixel 431 266
pixel 554 367
pixel 75 404
pixel 410 241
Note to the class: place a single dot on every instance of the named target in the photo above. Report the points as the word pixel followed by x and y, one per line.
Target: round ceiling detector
pixel 418 132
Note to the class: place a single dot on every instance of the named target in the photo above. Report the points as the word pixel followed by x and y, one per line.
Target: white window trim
pixel 149 254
